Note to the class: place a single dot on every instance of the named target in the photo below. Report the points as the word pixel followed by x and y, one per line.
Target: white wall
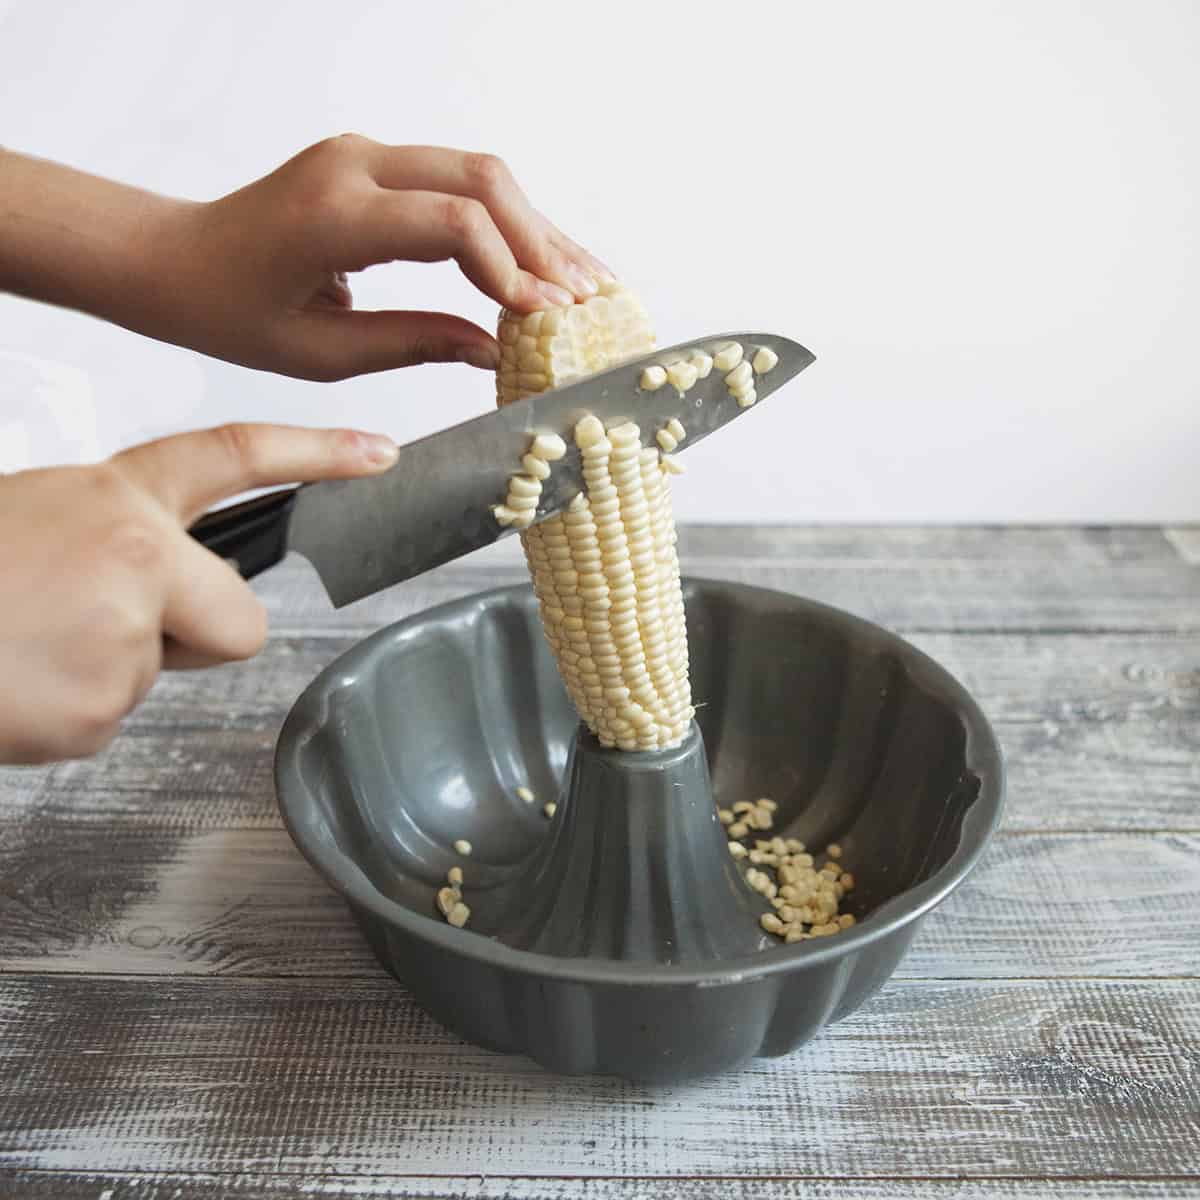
pixel 982 217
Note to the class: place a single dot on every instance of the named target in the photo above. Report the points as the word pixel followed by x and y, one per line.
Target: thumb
pixel 345 342
pixel 189 472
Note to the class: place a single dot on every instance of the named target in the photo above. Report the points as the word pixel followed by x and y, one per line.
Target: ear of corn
pixel 605 572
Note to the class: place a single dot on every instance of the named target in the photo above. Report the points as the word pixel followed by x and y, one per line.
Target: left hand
pixel 259 277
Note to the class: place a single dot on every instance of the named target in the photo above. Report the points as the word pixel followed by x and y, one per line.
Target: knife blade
pixel 434 504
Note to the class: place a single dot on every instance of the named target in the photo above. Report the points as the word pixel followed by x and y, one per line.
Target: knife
pixel 434 504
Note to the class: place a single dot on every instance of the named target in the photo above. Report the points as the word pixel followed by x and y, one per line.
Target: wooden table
pixel 186 1010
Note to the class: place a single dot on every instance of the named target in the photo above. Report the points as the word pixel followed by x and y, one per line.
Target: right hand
pixel 101 586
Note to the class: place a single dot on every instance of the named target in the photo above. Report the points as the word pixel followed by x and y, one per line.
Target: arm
pixel 260 277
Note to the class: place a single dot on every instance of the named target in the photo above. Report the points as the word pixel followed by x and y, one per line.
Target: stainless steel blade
pixel 434 505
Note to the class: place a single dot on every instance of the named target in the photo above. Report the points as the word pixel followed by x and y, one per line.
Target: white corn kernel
pixel 765 360
pixel 672 465
pixel 702 362
pixel 548 446
pixel 652 379
pixel 589 432
pixel 522 485
pixel 682 375
pixel 463 847
pixel 740 378
pixel 549 808
pixel 503 514
pixel 523 793
pixel 459 915
pixel 727 357
pixel 535 467
pixel 747 399
pixel 455 876
pixel 675 429
pixel 665 440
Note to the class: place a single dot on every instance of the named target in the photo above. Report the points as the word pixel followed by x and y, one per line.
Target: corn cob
pixel 605 572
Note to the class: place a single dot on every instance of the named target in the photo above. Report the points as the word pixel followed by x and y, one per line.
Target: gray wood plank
pixel 1100 732
pixel 1097 545
pixel 1186 540
pixel 1057 595
pixel 134 900
pixel 60 1185
pixel 955 1080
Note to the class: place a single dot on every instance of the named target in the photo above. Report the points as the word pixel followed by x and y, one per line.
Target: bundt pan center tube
pixel 619 937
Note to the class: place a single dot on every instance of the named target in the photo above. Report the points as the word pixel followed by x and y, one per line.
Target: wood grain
pixel 64 1185
pixel 956 1080
pixel 133 900
pixel 186 1009
pixel 1056 595
pixel 1099 732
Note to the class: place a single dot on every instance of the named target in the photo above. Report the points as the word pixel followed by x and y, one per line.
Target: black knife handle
pixel 252 535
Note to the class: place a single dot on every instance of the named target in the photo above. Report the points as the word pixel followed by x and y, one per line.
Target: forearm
pixel 75 240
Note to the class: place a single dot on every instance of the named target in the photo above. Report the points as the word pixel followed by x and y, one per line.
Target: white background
pixel 982 217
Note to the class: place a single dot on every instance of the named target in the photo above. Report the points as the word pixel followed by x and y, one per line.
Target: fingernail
pixel 582 282
pixel 486 358
pixel 379 449
pixel 554 293
pixel 603 273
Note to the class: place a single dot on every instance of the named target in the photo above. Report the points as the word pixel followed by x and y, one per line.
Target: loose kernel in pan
pixel 463 847
pixel 455 876
pixel 523 793
pixel 458 915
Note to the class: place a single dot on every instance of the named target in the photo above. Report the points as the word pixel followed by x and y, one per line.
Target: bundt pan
pixel 618 937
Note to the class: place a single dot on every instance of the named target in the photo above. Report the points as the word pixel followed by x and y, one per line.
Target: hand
pixel 259 277
pixel 102 586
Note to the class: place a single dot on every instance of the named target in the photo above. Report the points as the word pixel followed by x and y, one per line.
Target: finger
pixel 345 342
pixel 431 227
pixel 536 244
pixel 191 471
pixel 211 615
pixel 583 255
pixel 178 657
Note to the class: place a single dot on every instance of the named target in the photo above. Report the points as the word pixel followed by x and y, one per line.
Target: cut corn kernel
pixel 728 357
pixel 524 793
pixel 548 446
pixel 740 378
pixel 463 847
pixel 455 876
pixel 682 376
pixel 672 465
pixel 676 430
pixel 765 360
pixel 665 440
pixel 652 379
pixel 702 362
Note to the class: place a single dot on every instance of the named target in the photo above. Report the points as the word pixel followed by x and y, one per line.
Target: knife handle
pixel 253 535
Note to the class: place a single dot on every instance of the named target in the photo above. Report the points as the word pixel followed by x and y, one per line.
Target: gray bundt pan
pixel 618 938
